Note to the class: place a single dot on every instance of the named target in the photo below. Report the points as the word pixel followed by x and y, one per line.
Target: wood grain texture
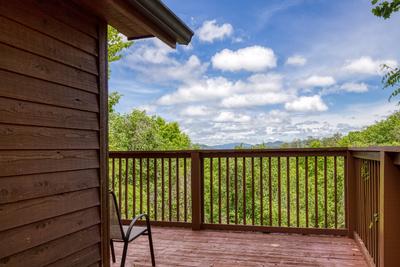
pixel 16 35
pixel 32 235
pixel 27 137
pixel 52 134
pixel 219 248
pixel 22 87
pixel 58 249
pixel 33 210
pixel 41 21
pixel 19 61
pixel 28 113
pixel 68 13
pixel 17 188
pixel 82 258
pixel 46 161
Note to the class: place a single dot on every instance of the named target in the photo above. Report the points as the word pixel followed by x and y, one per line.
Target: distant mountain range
pixel 275 144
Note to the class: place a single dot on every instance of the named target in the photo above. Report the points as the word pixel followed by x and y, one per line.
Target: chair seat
pixel 136 231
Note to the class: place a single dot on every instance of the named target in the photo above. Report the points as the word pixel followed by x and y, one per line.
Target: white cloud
pixel 252 58
pixel 211 31
pixel 354 87
pixel 151 52
pixel 367 65
pixel 155 61
pixel 195 111
pixel 227 116
pixel 318 81
pixel 296 60
pixel 258 89
pixel 208 89
pixel 255 99
pixel 307 104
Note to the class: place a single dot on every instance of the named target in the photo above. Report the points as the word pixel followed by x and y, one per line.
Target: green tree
pixel 138 131
pixel 116 44
pixel 391 79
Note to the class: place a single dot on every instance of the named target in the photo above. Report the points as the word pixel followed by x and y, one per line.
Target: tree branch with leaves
pixel 391 79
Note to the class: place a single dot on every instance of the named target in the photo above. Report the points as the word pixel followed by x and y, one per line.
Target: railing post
pixel 350 197
pixel 196 190
pixel 389 210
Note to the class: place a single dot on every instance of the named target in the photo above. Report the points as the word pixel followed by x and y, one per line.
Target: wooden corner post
pixel 389 210
pixel 350 194
pixel 103 100
pixel 196 191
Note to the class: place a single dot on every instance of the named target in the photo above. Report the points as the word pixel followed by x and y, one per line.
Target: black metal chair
pixel 126 234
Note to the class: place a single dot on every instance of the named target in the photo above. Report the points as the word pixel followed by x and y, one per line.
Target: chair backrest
pixel 116 231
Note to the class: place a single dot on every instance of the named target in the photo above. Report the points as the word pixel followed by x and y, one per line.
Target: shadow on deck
pixel 184 247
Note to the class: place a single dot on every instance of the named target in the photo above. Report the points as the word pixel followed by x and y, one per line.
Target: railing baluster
pixel 279 193
pixel 335 190
pixel 169 189
pixel 141 184
pixel 177 189
pixel 297 194
pixel 133 187
pixel 155 189
pixel 244 190
pixel 288 189
pixel 148 186
pixel 261 194
pixel 316 190
pixel 219 191
pixel 126 187
pixel 113 174
pixel 227 190
pixel 306 187
pixel 369 215
pixel 270 190
pixel 252 191
pixel 236 191
pixel 162 189
pixel 120 182
pixel 326 192
pixel 211 191
pixel 185 188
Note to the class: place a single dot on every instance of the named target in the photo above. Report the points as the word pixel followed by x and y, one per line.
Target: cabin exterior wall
pixel 53 135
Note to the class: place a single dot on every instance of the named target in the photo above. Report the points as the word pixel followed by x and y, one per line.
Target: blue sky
pixel 260 71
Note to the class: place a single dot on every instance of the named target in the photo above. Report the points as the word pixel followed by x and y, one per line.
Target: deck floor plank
pixel 184 247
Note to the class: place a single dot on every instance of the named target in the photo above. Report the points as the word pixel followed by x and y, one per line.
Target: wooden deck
pixel 184 247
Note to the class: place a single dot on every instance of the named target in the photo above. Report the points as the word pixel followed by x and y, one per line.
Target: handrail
pixel 207 189
pixel 261 172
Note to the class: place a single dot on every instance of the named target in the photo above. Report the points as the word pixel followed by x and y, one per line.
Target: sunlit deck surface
pixel 184 247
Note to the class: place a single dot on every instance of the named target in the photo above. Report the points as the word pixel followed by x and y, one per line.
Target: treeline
pixel 136 131
pixel 382 133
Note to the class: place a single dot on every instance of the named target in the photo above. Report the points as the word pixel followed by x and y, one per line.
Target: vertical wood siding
pixel 52 134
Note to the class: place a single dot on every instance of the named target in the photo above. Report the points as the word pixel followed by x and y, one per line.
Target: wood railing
pixel 338 191
pixel 292 190
pixel 274 190
pixel 375 197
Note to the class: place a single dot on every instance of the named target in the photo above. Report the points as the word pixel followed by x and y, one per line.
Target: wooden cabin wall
pixel 53 126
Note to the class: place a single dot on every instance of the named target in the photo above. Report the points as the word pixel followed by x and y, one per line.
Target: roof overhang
pixel 139 19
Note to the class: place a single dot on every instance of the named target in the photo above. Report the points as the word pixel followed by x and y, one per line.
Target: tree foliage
pixel 391 79
pixel 385 8
pixel 383 133
pixel 116 44
pixel 138 131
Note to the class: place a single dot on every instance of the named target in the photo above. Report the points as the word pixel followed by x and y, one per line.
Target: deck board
pixel 184 247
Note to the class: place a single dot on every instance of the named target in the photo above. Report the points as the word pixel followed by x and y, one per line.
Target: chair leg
pixel 153 262
pixel 124 254
pixel 112 250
